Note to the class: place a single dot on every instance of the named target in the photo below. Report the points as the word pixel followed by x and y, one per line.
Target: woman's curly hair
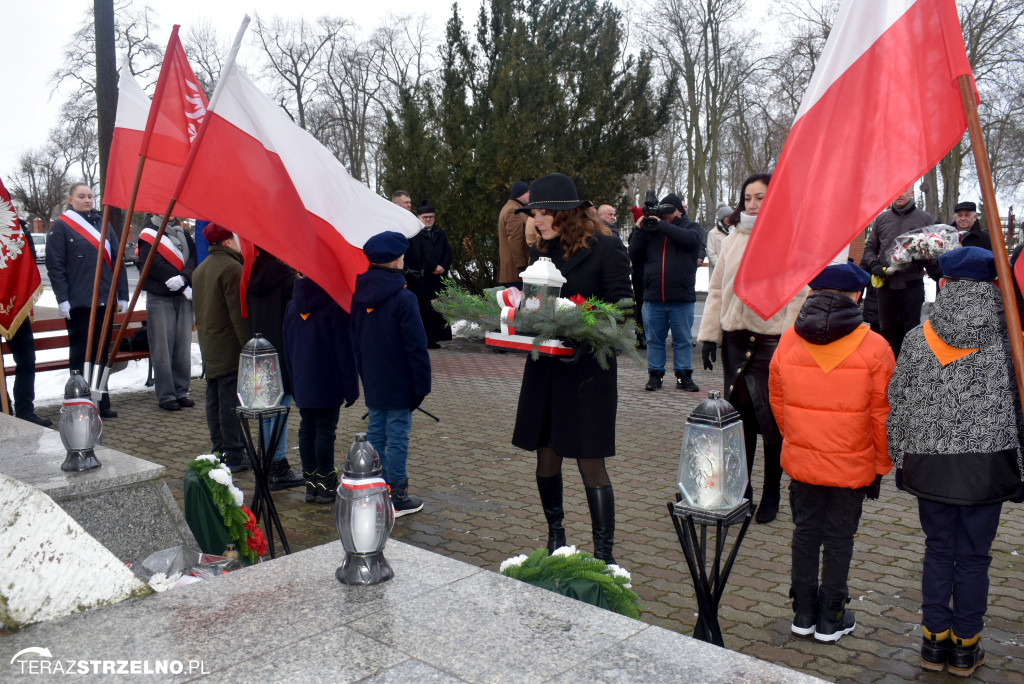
pixel 575 228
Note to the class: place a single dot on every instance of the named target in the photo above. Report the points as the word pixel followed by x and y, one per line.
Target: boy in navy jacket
pixel 391 356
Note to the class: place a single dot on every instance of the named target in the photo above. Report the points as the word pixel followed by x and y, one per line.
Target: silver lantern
pixel 364 516
pixel 259 375
pixel 713 463
pixel 79 425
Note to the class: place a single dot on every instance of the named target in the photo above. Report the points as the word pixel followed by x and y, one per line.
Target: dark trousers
pixel 221 401
pixel 743 403
pixel 433 322
pixel 956 559
pixel 78 339
pixel 899 311
pixel 825 520
pixel 23 350
pixel 317 430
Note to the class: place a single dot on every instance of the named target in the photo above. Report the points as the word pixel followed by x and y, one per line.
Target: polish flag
pixel 163 134
pixel 253 171
pixel 882 108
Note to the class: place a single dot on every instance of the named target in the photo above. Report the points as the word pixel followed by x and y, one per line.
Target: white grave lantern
pixel 713 463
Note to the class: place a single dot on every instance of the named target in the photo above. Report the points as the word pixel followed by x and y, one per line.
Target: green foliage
pixel 234 517
pixel 595 323
pixel 543 87
pixel 558 569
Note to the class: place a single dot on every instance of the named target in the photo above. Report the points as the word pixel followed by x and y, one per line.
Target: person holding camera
pixel 668 245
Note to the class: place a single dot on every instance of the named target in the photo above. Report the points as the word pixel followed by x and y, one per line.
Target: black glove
pixel 878 271
pixel 577 353
pixel 349 402
pixel 874 489
pixel 709 354
pixel 899 479
pixel 416 401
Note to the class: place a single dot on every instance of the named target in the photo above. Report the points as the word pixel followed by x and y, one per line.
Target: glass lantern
pixel 79 425
pixel 259 375
pixel 364 516
pixel 713 463
pixel 542 284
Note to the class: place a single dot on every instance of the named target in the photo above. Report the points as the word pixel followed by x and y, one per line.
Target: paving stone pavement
pixel 481 507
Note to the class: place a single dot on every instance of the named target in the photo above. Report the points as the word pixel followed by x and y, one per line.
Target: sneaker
pixel 934 649
pixel 236 463
pixel 653 381
pixel 965 655
pixel 38 420
pixel 327 488
pixel 684 381
pixel 170 405
pixel 405 504
pixel 282 476
pixel 185 402
pixel 834 620
pixel 803 625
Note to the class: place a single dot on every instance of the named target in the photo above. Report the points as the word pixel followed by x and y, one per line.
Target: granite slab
pixel 438 620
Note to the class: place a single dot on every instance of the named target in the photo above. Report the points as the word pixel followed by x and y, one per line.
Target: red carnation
pixel 578 299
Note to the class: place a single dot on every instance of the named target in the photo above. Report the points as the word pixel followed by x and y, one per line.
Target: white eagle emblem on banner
pixel 12 240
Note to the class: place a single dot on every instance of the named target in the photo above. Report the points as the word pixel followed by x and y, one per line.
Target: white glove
pixel 188 293
pixel 64 309
pixel 175 283
pixel 122 305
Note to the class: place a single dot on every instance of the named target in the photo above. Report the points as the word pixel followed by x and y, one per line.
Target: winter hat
pixel 675 202
pixel 385 247
pixel 965 206
pixel 637 213
pixel 215 234
pixel 968 263
pixel 555 192
pixel 519 188
pixel 723 211
pixel 847 277
pixel 424 208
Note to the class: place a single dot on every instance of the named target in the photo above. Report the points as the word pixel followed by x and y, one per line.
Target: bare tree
pixel 39 184
pixel 206 53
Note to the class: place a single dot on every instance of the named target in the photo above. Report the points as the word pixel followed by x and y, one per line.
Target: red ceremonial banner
pixel 20 284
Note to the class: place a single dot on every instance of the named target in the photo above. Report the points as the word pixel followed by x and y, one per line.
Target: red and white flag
pixel 162 131
pixel 253 171
pixel 882 108
pixel 20 285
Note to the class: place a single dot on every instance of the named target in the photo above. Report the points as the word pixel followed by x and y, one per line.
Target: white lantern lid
pixel 543 272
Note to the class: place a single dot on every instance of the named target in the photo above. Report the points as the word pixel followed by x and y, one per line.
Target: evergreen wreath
pixel 238 519
pixel 589 322
pixel 567 564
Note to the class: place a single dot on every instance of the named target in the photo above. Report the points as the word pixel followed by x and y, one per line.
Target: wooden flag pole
pixel 995 230
pixel 87 367
pixel 108 315
pixel 123 330
pixel 5 402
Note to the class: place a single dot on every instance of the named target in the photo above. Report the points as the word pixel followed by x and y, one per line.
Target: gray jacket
pixel 889 225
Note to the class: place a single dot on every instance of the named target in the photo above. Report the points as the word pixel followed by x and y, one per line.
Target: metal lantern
pixel 542 283
pixel 259 375
pixel 364 516
pixel 79 425
pixel 713 462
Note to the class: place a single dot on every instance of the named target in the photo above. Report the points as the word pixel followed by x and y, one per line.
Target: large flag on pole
pixel 253 171
pixel 882 108
pixel 20 285
pixel 161 131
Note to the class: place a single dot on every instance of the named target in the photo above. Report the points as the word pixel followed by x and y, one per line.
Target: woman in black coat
pixel 567 409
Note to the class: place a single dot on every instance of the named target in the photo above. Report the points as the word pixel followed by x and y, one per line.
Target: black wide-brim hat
pixel 555 192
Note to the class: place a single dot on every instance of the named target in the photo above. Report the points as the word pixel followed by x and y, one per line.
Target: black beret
pixel 968 263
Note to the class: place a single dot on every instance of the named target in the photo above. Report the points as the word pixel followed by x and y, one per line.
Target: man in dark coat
pixel 669 250
pixel 169 314
pixel 969 227
pixel 266 296
pixel 430 258
pixel 222 334
pixel 901 295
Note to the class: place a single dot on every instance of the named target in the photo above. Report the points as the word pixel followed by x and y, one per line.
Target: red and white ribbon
pixel 166 248
pixel 508 315
pixel 363 483
pixel 77 223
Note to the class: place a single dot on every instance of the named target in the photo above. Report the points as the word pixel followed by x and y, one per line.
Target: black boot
pixel 310 479
pixel 805 611
pixel 550 489
pixel 965 655
pixel 769 506
pixel 282 476
pixel 602 517
pixel 327 487
pixel 654 380
pixel 934 649
pixel 833 619
pixel 684 381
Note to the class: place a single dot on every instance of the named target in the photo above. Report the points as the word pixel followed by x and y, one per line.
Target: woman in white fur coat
pixel 748 342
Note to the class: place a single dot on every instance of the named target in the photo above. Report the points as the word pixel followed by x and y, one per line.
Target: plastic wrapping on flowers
pixel 238 519
pixel 926 243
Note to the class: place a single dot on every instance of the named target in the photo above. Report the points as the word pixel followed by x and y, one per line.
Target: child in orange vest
pixel 827 386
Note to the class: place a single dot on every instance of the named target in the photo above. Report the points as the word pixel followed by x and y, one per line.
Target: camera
pixel 654 211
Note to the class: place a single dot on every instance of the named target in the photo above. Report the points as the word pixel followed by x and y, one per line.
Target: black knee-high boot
pixel 602 517
pixel 550 489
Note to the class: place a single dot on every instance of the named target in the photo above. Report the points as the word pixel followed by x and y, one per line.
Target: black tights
pixel 592 470
pixel 772 452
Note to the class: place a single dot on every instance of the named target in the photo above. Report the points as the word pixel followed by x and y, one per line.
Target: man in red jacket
pixel 827 387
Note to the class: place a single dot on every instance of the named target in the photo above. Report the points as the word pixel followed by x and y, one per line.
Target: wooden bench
pixel 43 331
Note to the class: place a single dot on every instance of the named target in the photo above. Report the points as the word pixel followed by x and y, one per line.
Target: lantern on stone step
pixel 79 425
pixel 259 375
pixel 542 284
pixel 713 463
pixel 364 516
